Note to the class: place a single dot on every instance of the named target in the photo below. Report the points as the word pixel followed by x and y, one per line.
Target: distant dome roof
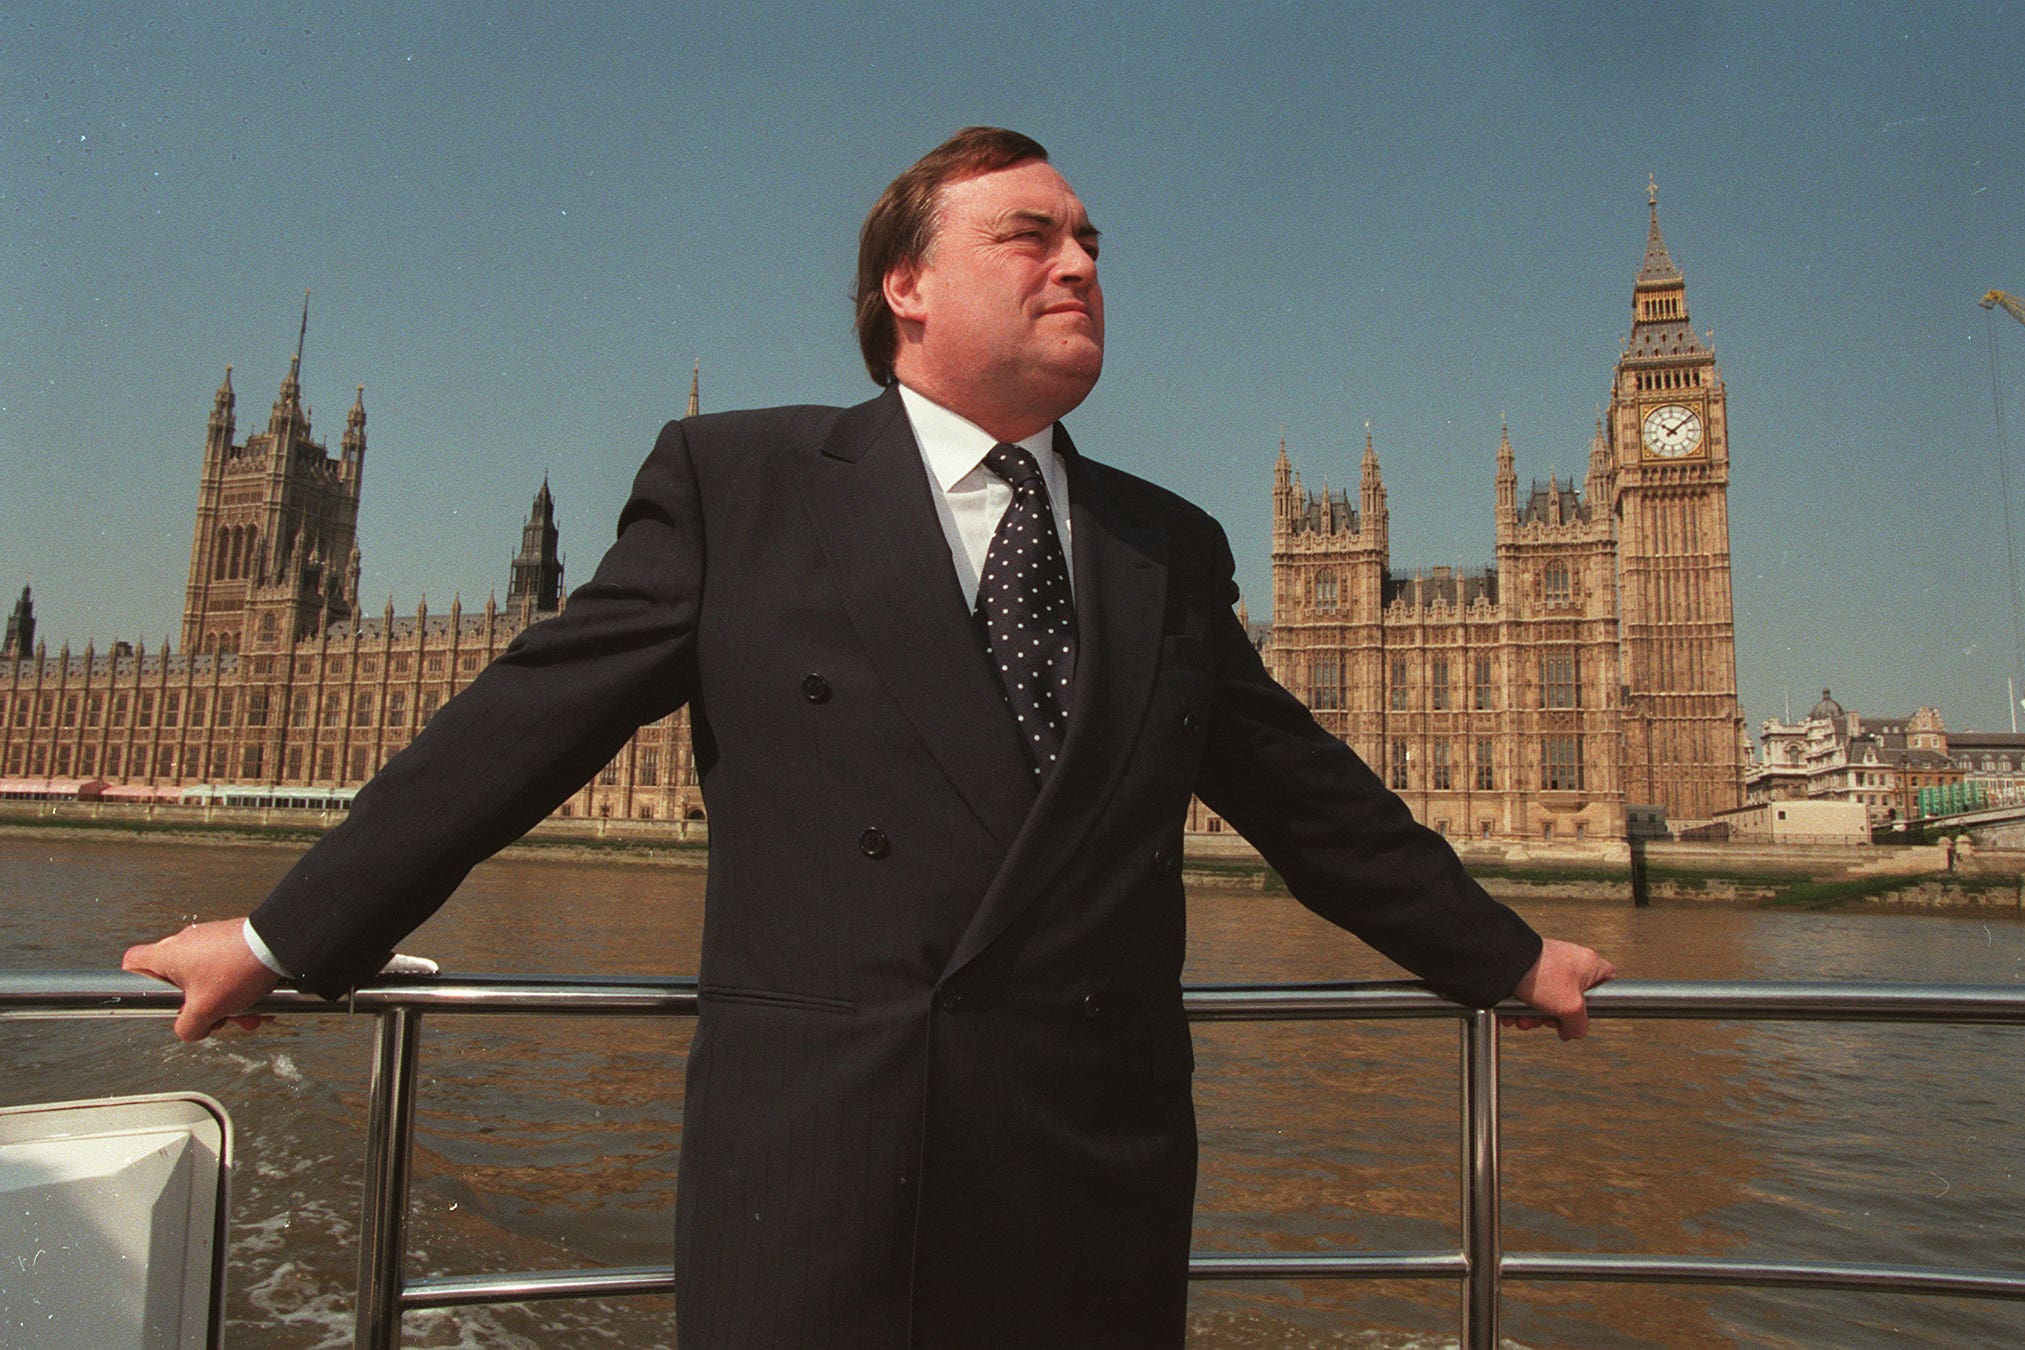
pixel 1827 707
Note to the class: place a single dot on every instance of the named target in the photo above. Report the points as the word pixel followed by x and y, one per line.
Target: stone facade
pixel 1591 667
pixel 281 683
pixel 1882 763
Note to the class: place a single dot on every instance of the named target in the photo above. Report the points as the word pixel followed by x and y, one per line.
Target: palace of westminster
pixel 1590 671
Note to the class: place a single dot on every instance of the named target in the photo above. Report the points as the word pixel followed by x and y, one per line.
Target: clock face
pixel 1672 431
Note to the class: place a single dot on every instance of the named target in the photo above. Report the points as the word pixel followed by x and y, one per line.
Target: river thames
pixel 549 1143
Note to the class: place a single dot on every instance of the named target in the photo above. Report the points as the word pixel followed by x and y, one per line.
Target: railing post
pixel 1483 1243
pixel 383 1223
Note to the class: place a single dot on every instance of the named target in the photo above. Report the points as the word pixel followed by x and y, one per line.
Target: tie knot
pixel 1014 464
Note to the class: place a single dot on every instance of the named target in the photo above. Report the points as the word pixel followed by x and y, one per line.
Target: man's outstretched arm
pixel 218 973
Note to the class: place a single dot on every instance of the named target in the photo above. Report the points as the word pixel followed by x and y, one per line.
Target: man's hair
pixel 901 226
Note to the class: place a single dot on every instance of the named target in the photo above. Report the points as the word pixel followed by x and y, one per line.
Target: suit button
pixel 1093 1003
pixel 815 689
pixel 1164 861
pixel 949 1000
pixel 873 843
pixel 1189 722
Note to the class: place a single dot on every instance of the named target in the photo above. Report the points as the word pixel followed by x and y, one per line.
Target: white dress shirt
pixel 970 499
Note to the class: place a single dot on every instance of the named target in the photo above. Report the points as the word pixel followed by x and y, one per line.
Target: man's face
pixel 1002 319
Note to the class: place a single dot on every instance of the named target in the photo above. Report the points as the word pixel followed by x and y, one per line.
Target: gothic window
pixel 196 710
pixel 147 714
pixel 430 702
pixel 1441 767
pixel 62 760
pixel 397 710
pixel 225 708
pixel 327 762
pixel 221 553
pixel 119 710
pixel 14 760
pixel 1561 764
pixel 249 758
pixel 294 763
pixel 46 709
pixel 256 710
pixel 217 761
pixel 165 762
pixel 84 760
pixel 70 710
pixel 1325 589
pixel 21 710
pixel 38 759
pixel 333 706
pixel 362 710
pixel 1437 683
pixel 172 705
pixel 650 768
pixel 1554 583
pixel 267 626
pixel 1325 683
pixel 1486 775
pixel 1559 685
pixel 1399 779
pixel 298 710
pixel 112 761
pixel 1399 685
pixel 609 775
pixel 358 772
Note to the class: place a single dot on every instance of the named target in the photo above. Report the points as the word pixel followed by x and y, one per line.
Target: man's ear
pixel 902 287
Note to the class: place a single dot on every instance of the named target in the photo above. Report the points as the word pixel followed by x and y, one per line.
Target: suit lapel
pixel 1121 590
pixel 869 506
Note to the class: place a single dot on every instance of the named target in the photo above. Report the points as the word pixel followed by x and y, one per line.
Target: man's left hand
pixel 1555 986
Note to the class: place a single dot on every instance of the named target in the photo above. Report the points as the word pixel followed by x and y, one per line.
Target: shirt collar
pixel 954 445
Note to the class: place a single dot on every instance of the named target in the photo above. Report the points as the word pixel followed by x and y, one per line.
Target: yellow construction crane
pixel 2011 303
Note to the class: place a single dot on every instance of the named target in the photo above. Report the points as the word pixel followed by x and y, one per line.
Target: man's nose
pixel 1075 263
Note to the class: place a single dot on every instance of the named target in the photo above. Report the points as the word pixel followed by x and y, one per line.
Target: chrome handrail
pixel 1479 1265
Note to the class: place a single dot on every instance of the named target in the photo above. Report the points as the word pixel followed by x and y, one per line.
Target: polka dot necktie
pixel 1028 615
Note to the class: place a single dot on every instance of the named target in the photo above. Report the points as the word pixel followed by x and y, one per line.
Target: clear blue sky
pixel 523 223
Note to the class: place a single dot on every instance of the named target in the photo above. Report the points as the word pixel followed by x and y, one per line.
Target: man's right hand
pixel 218 973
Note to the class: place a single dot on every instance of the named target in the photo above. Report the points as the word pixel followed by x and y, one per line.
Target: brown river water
pixel 552 1142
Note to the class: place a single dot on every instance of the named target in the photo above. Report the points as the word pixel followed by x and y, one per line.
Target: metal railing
pixel 1479 1265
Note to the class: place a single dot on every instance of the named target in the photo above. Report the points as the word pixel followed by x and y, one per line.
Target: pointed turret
pixel 353 446
pixel 1508 476
pixel 1596 489
pixel 535 587
pixel 1659 265
pixel 288 415
pixel 695 390
pixel 20 638
pixel 223 403
pixel 1659 313
pixel 1371 492
pixel 1285 503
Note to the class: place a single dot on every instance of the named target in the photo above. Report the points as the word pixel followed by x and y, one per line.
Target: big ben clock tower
pixel 1683 729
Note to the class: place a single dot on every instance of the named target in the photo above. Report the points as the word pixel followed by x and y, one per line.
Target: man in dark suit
pixel 952 685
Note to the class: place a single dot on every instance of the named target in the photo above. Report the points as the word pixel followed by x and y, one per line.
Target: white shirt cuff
pixel 261 950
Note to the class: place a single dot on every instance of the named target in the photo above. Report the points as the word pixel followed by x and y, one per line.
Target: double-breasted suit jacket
pixel 939 1090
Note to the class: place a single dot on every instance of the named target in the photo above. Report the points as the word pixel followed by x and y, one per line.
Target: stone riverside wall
pixel 1803 875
